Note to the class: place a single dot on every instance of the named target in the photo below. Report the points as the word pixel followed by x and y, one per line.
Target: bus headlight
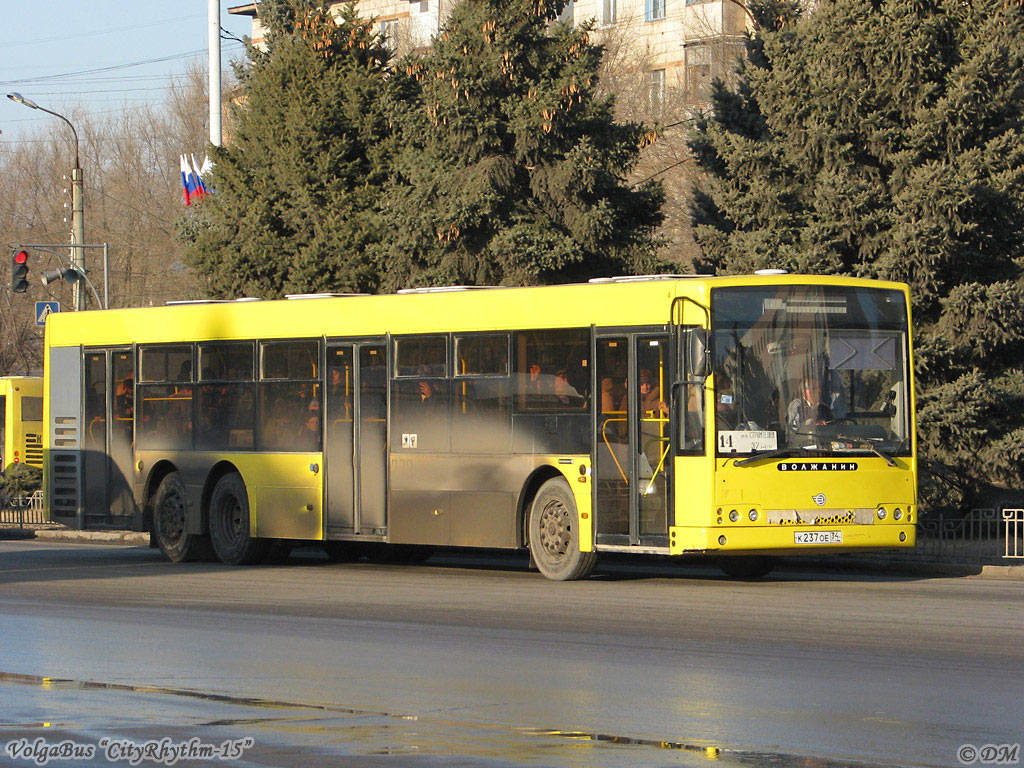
pixel 734 516
pixel 881 514
pixel 897 514
pixel 752 514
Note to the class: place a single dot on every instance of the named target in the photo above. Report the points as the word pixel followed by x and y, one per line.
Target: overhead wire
pixel 109 68
pixel 99 32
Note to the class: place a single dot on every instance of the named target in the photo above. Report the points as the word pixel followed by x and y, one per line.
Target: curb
pixel 1002 572
pixel 911 568
pixel 126 538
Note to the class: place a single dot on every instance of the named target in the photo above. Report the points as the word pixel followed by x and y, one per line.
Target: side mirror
pixel 697 353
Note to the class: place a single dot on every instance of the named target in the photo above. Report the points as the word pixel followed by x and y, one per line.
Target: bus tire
pixel 229 524
pixel 169 523
pixel 747 566
pixel 554 534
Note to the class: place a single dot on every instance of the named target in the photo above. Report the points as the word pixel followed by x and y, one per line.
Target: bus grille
pixel 65 432
pixel 860 516
pixel 64 484
pixel 34 450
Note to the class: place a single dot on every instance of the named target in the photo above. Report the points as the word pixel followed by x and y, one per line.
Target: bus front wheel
pixel 169 523
pixel 229 524
pixel 554 534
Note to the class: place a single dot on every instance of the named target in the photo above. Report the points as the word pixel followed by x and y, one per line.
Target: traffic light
pixel 19 272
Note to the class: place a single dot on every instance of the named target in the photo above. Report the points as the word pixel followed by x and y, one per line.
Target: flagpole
pixel 213 32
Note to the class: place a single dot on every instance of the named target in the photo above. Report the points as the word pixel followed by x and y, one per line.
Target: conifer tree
pixel 297 183
pixel 885 138
pixel 510 168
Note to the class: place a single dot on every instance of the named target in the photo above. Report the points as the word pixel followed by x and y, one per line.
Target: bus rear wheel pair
pixel 229 539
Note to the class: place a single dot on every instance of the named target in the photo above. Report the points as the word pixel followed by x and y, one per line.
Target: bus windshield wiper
pixel 861 441
pixel 774 454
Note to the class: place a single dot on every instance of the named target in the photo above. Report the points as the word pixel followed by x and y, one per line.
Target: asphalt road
pixel 475 661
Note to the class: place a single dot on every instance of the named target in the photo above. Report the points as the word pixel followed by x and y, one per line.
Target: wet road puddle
pixel 313 734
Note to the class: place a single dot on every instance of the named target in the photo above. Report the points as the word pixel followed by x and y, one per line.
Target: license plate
pixel 818 537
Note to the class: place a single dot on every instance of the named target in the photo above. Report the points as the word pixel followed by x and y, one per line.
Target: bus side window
pixel 165 397
pixel 482 396
pixel 226 404
pixel 691 425
pixel 420 395
pixel 550 370
pixel 289 397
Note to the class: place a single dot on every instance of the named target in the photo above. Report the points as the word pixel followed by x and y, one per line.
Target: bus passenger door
pixel 632 457
pixel 109 413
pixel 355 439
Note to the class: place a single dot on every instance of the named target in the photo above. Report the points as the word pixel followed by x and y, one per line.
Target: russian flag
pixel 186 182
pixel 197 180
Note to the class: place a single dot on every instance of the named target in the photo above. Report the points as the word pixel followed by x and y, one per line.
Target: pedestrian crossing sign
pixel 44 308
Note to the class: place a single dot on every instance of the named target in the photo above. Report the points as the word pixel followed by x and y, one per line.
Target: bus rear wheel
pixel 169 525
pixel 229 524
pixel 554 534
pixel 747 567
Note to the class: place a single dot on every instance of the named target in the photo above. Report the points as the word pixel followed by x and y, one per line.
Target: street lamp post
pixel 77 204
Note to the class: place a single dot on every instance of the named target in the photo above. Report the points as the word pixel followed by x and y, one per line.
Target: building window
pixel 608 12
pixel 654 10
pixel 656 89
pixel 698 71
pixel 389 31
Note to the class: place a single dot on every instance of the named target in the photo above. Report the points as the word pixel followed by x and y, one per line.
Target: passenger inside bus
pixel 566 394
pixel 308 437
pixel 807 409
pixel 651 402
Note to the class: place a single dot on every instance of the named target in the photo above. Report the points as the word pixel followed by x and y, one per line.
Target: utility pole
pixel 78 297
pixel 213 33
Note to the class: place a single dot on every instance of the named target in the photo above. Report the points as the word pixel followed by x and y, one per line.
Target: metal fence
pixel 980 536
pixel 21 511
pixel 1013 533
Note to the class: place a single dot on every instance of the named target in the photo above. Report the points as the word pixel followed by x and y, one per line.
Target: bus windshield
pixel 816 371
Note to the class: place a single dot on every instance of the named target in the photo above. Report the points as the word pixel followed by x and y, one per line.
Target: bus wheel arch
pixel 216 472
pixel 169 504
pixel 156 476
pixel 554 533
pixel 230 529
pixel 537 478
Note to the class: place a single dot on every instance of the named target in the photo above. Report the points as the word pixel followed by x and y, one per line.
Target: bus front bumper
pixel 789 539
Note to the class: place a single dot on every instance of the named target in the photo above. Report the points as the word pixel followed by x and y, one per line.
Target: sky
pixel 137 45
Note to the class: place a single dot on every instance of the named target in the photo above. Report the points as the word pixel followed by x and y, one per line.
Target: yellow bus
pixel 21 433
pixel 739 417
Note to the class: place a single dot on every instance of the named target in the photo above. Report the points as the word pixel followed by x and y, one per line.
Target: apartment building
pixel 674 47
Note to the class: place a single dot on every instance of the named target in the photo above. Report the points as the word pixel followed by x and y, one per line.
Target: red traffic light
pixel 19 271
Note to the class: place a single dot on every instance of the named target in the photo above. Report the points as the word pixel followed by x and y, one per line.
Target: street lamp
pixel 77 203
pixel 70 275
